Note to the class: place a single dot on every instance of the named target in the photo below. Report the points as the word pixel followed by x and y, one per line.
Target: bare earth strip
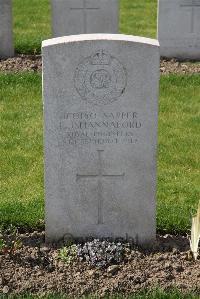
pixel 36 268
pixel 34 63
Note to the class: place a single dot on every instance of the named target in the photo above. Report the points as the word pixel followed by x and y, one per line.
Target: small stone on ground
pixel 38 268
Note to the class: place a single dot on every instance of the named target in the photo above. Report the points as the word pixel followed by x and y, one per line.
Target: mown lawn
pixel 22 195
pixel 138 17
pixel 179 148
pixel 21 157
pixel 32 21
pixel 157 294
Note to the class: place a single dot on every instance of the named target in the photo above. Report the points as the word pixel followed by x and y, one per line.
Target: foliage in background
pixel 32 21
pixel 22 190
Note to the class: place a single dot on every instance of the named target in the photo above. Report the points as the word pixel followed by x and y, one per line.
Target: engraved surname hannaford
pixel 100 79
pixel 85 9
pixel 192 4
pixel 99 176
pixel 104 120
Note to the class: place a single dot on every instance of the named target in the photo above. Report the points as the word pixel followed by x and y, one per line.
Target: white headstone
pixel 179 28
pixel 6 40
pixel 100 107
pixel 84 16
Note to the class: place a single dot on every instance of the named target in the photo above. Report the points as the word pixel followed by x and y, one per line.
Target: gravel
pixel 33 63
pixel 24 63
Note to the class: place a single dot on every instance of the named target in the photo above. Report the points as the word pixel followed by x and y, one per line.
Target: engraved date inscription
pixel 82 128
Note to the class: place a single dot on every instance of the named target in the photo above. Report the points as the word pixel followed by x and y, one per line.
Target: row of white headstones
pixel 178 23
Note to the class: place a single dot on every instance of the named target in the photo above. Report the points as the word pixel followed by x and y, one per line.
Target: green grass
pixel 32 21
pixel 22 150
pixel 22 197
pixel 138 17
pixel 179 147
pixel 157 294
pixel 32 24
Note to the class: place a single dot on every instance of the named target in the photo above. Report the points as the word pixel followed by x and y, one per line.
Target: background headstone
pixel 84 16
pixel 100 107
pixel 6 39
pixel 179 28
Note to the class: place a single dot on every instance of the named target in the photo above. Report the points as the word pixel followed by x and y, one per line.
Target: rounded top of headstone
pixel 99 36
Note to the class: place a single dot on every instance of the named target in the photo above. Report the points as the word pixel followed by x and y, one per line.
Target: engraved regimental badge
pixel 100 79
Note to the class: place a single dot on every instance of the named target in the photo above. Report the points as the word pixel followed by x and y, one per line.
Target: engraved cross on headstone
pixel 192 4
pixel 99 176
pixel 85 8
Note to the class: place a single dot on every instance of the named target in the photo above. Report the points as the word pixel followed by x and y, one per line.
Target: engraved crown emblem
pixel 100 58
pixel 100 79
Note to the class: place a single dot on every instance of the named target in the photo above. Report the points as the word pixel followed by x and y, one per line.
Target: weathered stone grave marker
pixel 192 5
pixel 179 28
pixel 100 110
pixel 100 175
pixel 84 16
pixel 6 40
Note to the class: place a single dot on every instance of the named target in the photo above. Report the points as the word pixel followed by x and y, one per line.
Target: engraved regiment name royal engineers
pixel 99 79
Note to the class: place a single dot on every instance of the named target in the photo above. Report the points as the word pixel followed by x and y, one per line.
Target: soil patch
pixel 22 63
pixel 175 67
pixel 33 63
pixel 38 268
